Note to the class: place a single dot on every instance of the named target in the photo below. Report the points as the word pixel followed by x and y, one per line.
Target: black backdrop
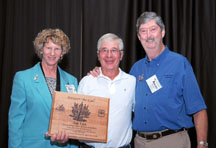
pixel 190 30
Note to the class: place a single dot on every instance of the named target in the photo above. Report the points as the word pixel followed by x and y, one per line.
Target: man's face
pixel 151 36
pixel 110 56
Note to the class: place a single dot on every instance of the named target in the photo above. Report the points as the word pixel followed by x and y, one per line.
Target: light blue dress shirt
pixel 171 106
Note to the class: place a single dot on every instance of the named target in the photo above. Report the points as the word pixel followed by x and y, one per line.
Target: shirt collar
pixel 158 58
pixel 120 75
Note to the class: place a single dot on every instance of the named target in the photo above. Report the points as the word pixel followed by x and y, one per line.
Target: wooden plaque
pixel 83 117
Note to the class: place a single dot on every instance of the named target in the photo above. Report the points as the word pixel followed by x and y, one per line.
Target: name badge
pixel 153 83
pixel 70 88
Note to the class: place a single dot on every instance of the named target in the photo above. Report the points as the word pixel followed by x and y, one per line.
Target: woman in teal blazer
pixel 32 91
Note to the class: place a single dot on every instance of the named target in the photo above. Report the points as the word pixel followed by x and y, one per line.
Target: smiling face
pixel 51 53
pixel 110 56
pixel 151 37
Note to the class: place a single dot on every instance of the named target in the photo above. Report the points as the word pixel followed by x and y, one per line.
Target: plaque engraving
pixel 83 117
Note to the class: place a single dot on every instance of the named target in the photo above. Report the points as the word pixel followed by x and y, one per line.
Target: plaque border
pixel 80 137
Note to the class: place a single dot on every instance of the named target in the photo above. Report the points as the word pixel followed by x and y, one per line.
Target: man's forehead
pixel 148 24
pixel 109 43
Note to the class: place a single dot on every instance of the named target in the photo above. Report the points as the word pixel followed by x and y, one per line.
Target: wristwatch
pixel 204 143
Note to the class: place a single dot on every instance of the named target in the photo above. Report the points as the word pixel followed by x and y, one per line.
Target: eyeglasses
pixel 146 30
pixel 112 51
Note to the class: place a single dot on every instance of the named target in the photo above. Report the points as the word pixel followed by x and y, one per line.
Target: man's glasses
pixel 112 51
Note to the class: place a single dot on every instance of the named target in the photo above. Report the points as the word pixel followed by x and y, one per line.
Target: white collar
pixel 121 75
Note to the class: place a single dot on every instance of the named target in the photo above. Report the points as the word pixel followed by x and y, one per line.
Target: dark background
pixel 190 31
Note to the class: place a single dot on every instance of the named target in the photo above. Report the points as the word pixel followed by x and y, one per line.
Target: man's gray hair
pixel 148 16
pixel 110 37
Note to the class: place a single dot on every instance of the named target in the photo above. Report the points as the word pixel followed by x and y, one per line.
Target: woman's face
pixel 51 53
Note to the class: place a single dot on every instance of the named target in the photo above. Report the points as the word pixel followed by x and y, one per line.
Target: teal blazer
pixel 30 108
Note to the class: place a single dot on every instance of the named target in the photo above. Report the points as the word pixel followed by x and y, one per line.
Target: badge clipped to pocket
pixel 153 83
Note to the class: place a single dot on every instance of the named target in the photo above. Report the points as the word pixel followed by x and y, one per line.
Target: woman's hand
pixel 60 137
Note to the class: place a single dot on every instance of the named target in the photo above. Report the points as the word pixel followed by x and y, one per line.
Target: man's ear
pixel 163 33
pixel 98 56
pixel 138 36
pixel 121 55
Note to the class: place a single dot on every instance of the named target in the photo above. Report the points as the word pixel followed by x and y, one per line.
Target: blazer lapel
pixel 41 86
pixel 66 84
pixel 63 80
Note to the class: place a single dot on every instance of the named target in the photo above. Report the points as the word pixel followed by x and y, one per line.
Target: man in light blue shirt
pixel 167 93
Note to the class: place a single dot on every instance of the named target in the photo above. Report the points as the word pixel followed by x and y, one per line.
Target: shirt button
pixel 146 94
pixel 145 108
pixel 145 122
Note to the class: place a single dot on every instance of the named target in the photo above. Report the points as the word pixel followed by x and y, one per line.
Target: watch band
pixel 204 143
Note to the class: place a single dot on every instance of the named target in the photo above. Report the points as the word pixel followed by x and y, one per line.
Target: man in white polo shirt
pixel 116 85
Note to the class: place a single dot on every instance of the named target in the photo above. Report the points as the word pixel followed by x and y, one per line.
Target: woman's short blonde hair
pixel 57 36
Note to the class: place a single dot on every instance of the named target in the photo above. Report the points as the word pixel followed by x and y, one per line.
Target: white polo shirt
pixel 121 92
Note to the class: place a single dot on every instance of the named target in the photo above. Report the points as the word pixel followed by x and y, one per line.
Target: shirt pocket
pixel 169 88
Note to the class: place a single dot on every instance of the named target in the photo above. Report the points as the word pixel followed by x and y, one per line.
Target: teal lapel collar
pixel 41 86
pixel 63 80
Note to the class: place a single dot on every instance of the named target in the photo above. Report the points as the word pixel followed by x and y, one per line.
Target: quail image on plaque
pixel 83 117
